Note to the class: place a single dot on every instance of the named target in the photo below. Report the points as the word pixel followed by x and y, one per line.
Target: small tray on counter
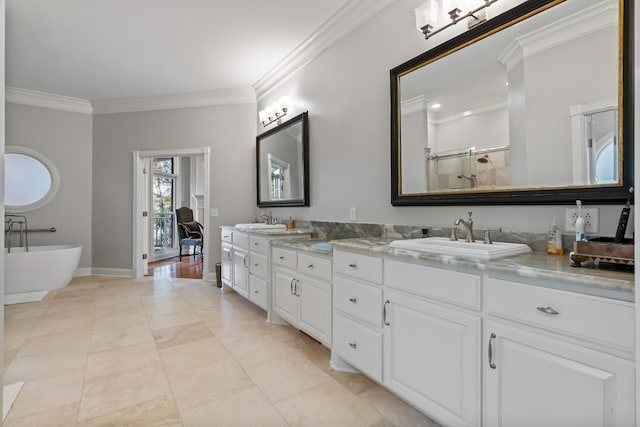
pixel 603 250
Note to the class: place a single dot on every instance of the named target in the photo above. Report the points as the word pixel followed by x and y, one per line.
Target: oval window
pixel 31 180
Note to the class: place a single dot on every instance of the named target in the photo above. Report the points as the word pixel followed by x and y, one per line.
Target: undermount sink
pixel 260 226
pixel 476 250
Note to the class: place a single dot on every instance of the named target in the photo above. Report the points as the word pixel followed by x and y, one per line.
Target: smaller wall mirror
pixel 282 159
pixel 31 180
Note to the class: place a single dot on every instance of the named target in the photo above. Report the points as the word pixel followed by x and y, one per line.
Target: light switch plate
pixel 214 212
pixel 353 214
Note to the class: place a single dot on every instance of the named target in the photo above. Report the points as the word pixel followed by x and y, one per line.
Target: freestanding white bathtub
pixel 43 268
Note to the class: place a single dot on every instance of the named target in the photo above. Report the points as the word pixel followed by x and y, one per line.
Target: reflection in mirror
pixel 282 162
pixel 522 109
pixel 31 180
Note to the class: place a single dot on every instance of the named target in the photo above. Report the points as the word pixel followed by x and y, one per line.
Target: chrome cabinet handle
pixel 352 265
pixel 281 257
pixel 295 288
pixel 353 345
pixel 353 300
pixel 291 287
pixel 310 266
pixel 384 313
pixel 256 291
pixel 256 264
pixel 255 243
pixel 490 350
pixel 548 310
pixel 244 261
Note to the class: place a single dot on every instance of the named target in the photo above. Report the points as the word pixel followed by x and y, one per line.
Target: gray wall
pixel 64 138
pixel 346 90
pixel 230 132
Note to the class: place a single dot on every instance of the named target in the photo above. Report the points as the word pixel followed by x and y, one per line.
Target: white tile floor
pixel 176 352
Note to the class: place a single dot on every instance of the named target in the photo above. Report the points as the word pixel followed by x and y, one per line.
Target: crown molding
pixel 413 105
pixel 572 27
pixel 339 25
pixel 47 100
pixel 243 95
pixel 486 105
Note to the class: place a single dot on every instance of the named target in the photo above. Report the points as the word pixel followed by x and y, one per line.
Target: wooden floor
pixel 189 268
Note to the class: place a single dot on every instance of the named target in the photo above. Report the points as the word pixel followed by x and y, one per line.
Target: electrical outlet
pixel 215 212
pixel 353 214
pixel 590 216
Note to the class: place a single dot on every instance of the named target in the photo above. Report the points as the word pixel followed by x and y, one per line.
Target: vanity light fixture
pixel 275 111
pixel 431 13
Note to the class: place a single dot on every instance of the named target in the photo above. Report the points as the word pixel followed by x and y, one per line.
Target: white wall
pixel 65 139
pixel 346 91
pixel 229 131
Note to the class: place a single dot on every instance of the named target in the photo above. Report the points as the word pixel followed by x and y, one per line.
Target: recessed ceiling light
pixel 506 83
pixel 466 113
pixel 435 105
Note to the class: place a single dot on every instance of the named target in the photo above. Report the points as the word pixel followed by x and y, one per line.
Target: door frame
pixel 138 235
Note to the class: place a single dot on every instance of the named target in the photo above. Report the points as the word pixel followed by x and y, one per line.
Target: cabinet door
pixel 431 358
pixel 534 380
pixel 285 301
pixel 315 309
pixel 241 272
pixel 227 265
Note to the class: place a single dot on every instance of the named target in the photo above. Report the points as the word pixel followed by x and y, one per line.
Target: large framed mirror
pixel 282 158
pixel 534 106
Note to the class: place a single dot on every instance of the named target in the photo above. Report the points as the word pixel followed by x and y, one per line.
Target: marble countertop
pixel 609 283
pixel 273 231
pixel 306 245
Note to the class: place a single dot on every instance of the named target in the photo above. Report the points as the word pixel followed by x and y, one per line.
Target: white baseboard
pixel 116 272
pixel 87 271
pixel 208 276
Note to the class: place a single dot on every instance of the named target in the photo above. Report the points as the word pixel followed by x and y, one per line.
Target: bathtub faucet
pixel 10 221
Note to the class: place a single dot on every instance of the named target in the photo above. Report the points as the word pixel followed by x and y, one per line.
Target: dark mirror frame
pixel 602 194
pixel 304 201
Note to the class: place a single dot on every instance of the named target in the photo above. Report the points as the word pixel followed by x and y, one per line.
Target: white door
pixel 431 358
pixel 533 380
pixel 285 301
pixel 315 308
pixel 240 278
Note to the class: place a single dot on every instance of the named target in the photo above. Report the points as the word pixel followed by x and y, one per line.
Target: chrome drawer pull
pixel 491 364
pixel 256 243
pixel 281 257
pixel 255 292
pixel 353 345
pixel 256 264
pixel 352 265
pixel 353 300
pixel 548 310
pixel 310 266
pixel 384 313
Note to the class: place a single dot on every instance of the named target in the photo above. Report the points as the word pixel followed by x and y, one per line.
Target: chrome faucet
pixel 468 224
pixel 268 218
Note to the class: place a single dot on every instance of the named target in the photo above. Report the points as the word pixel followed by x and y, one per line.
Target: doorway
pixel 158 191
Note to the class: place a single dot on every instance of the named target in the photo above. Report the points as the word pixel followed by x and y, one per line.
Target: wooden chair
pixel 190 232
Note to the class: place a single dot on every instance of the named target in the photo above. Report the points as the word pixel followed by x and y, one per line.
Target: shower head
pixel 483 159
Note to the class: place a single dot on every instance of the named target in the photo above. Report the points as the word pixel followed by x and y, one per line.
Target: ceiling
pixel 110 49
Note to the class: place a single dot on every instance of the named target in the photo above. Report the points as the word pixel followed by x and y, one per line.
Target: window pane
pixel 163 231
pixel 164 165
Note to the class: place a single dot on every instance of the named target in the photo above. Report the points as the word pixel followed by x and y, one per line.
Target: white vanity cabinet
pixel 246 263
pixel 557 358
pixel 226 261
pixel 240 260
pixel 431 344
pixel 357 311
pixel 302 291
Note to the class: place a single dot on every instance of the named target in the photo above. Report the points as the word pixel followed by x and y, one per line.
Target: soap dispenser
pixel 580 226
pixel 554 240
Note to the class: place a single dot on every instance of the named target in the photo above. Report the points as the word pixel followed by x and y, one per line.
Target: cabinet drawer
pixel 358 300
pixel 226 235
pixel 604 320
pixel 359 266
pixel 314 266
pixel 258 265
pixel 358 345
pixel 449 286
pixel 241 240
pixel 284 257
pixel 258 292
pixel 258 244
